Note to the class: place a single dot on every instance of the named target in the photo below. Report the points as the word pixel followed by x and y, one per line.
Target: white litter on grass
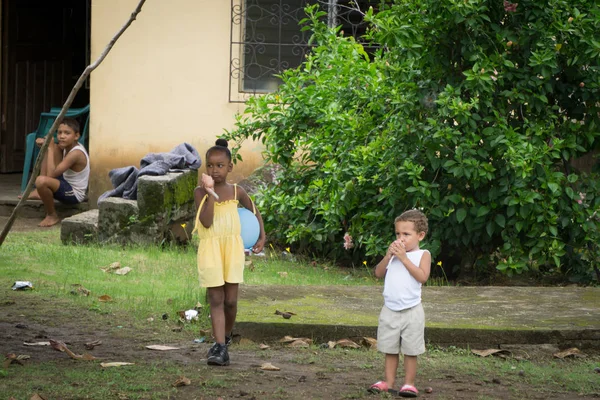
pixel 19 285
pixel 161 347
pixel 191 314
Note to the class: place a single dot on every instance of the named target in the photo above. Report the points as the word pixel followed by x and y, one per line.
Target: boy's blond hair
pixel 416 217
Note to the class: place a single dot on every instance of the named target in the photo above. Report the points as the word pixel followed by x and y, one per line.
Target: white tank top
pixel 401 290
pixel 78 180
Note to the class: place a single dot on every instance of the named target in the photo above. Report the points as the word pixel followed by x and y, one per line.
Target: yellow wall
pixel 165 82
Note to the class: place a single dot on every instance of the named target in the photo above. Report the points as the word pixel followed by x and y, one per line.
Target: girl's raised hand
pixel 207 181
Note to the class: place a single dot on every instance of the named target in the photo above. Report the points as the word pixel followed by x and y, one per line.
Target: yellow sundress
pixel 220 250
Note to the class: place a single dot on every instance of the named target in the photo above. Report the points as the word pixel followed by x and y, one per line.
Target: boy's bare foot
pixel 50 220
pixel 32 196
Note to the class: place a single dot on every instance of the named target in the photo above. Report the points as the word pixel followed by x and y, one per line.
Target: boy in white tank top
pixel 402 320
pixel 65 171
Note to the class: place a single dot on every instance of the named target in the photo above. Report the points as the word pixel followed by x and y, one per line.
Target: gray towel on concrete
pixel 124 180
pixel 181 157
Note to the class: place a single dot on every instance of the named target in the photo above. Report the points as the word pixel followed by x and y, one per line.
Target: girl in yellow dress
pixel 221 249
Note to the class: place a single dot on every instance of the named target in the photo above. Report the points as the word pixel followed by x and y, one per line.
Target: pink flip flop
pixel 408 391
pixel 379 387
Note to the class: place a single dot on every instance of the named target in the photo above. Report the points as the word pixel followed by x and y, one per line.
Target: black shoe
pixel 212 349
pixel 228 340
pixel 220 356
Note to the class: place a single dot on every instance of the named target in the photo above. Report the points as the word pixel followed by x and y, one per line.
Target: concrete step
pixel 80 228
pixel 476 317
pixel 35 208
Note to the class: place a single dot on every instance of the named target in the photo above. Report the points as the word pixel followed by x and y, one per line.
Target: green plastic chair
pixel 46 121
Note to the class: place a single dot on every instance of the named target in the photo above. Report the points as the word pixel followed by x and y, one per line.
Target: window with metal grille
pixel 266 38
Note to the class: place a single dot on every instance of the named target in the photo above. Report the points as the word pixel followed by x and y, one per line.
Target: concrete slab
pixel 460 316
pixel 10 188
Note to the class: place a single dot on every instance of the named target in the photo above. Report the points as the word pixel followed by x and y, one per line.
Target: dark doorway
pixel 44 51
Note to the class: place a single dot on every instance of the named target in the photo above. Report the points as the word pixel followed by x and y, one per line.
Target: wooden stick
pixel 38 163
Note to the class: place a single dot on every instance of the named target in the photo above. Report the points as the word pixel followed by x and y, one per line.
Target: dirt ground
pixel 24 224
pixel 311 373
pixel 304 373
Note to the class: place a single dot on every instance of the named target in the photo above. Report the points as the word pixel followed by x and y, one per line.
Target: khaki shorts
pixel 402 330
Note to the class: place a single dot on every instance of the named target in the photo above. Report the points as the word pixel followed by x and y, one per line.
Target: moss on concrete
pixel 454 315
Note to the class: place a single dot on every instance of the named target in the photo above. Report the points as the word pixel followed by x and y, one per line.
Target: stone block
pixel 119 222
pixel 164 203
pixel 167 197
pixel 80 228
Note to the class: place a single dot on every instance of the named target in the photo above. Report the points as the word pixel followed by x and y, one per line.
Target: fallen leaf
pixel 289 339
pixel 37 397
pixel 331 344
pixel 369 342
pixel 182 381
pixel 572 352
pixel 263 346
pixel 93 344
pixel 79 289
pixel 283 274
pixel 105 298
pixel 269 367
pixel 299 343
pixel 160 347
pixel 115 364
pixel 495 352
pixel 111 267
pixel 36 344
pixel 123 271
pixel 62 347
pixel 12 358
pixel 346 343
pixel 58 345
pixel 285 315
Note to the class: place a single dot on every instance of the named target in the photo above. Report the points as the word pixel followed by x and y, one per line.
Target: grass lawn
pixel 157 276
pixel 164 281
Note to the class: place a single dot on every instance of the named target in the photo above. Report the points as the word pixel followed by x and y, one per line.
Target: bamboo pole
pixel 38 163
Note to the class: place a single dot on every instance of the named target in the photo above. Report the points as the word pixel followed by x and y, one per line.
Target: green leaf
pixel 569 192
pixel 553 187
pixel 519 226
pixel 483 210
pixel 489 228
pixel 500 220
pixel 461 214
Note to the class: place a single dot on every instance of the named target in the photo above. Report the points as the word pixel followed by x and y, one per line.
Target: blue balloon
pixel 250 227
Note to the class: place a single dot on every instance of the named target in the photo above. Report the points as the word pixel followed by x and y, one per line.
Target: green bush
pixel 471 110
